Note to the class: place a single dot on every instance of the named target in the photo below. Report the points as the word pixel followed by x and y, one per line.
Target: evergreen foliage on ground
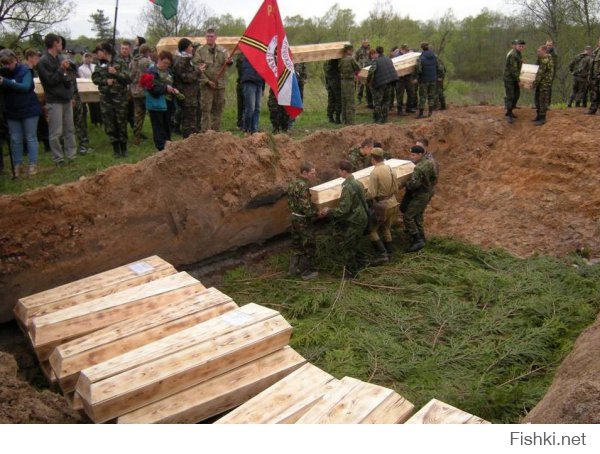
pixel 481 330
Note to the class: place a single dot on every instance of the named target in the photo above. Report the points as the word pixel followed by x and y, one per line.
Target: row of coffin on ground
pixel 143 343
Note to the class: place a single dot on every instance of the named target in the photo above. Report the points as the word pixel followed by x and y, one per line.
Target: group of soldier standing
pixel 362 212
pixel 382 85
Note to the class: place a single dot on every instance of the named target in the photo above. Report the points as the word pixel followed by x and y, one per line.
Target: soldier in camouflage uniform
pixel 334 90
pixel 302 76
pixel 362 58
pixel 139 64
pixel 350 218
pixel 418 194
pixel 594 81
pixel 543 85
pixel 348 68
pixel 440 98
pixel 79 109
pixel 512 73
pixel 112 78
pixel 280 120
pixel 405 85
pixel 212 89
pixel 304 243
pixel 580 68
pixel 186 79
pixel 360 157
pixel 381 75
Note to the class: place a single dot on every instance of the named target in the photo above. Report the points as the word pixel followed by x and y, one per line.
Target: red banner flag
pixel 266 47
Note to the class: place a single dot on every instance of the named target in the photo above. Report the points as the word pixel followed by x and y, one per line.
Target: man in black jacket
pixel 57 90
pixel 381 74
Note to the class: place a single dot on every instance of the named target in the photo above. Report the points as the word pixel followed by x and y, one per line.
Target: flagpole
pixel 114 38
pixel 224 67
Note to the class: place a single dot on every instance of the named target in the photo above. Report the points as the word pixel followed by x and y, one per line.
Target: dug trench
pixel 529 190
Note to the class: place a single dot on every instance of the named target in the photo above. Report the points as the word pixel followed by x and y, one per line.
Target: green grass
pixel 481 330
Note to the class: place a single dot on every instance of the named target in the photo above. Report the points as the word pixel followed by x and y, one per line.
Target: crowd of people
pixel 362 212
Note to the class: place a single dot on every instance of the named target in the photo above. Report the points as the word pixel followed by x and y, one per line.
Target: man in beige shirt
pixel 382 189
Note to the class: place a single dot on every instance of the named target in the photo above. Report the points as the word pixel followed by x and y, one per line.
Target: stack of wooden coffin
pixel 528 74
pixel 328 194
pixel 404 64
pixel 300 54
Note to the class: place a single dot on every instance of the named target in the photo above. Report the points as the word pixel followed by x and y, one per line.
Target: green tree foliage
pixel 101 25
pixel 227 25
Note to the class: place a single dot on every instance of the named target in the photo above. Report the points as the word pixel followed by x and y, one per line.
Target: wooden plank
pixel 438 412
pixel 182 360
pixel 88 91
pixel 403 64
pixel 48 372
pixel 68 359
pixel 300 54
pixel 286 401
pixel 218 394
pixel 328 193
pixel 394 410
pixel 74 401
pixel 92 287
pixel 327 401
pixel 528 75
pixel 61 326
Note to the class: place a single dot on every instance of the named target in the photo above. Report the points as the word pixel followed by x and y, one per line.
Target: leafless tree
pixel 190 20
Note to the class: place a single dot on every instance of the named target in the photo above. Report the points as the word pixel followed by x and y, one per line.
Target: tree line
pixel 473 48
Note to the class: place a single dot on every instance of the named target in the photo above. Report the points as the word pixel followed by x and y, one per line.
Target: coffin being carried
pixel 404 64
pixel 87 90
pixel 527 77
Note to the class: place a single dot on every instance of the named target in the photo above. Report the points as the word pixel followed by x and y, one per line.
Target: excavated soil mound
pixel 524 188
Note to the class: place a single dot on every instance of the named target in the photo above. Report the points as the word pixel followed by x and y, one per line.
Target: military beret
pixel 348 46
pixel 377 152
pixel 417 149
pixel 404 46
pixel 522 42
pixel 515 41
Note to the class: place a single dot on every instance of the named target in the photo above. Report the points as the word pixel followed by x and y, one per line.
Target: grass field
pixel 481 330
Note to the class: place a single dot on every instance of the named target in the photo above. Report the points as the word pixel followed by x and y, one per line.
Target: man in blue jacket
pixel 252 88
pixel 427 78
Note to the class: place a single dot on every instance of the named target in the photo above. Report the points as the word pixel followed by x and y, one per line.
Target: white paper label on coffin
pixel 236 318
pixel 141 268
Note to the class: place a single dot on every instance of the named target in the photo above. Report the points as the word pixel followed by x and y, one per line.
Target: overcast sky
pixel 128 22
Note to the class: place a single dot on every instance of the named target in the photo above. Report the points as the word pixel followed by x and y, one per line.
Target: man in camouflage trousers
pixel 418 194
pixel 381 75
pixel 280 120
pixel 594 81
pixel 405 85
pixel 334 90
pixel 140 63
pixel 213 81
pixel 362 58
pixel 427 65
pixel 304 243
pixel 350 218
pixel 79 109
pixel 543 84
pixel 512 74
pixel 348 68
pixel 440 97
pixel 112 78
pixel 580 68
pixel 186 78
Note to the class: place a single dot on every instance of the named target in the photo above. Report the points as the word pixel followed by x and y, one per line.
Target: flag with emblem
pixel 266 47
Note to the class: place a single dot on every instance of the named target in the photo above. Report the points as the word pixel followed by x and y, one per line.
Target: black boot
pixel 400 113
pixel 382 256
pixel 570 103
pixel 592 111
pixel 306 269
pixel 577 103
pixel 420 115
pixel 541 120
pixel 124 151
pixel 509 116
pixel 116 149
pixel 294 268
pixel 337 119
pixel 537 117
pixel 417 244
pixel 330 119
pixel 389 247
pixel 430 112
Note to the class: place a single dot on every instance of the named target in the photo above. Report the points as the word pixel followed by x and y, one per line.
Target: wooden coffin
pixel 69 359
pixel 89 288
pixel 300 54
pixel 58 327
pixel 355 402
pixel 328 194
pixel 180 361
pixel 219 394
pixel 437 412
pixel 286 401
pixel 404 64
pixel 88 91
pixel 528 74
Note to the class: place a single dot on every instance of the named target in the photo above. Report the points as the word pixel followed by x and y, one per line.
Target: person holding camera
pixel 59 95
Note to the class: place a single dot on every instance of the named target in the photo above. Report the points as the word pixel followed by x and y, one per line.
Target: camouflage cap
pixel 196 45
pixel 515 42
pixel 377 152
pixel 522 42
pixel 348 46
pixel 404 46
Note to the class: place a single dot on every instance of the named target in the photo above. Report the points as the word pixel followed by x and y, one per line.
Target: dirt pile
pixel 530 190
